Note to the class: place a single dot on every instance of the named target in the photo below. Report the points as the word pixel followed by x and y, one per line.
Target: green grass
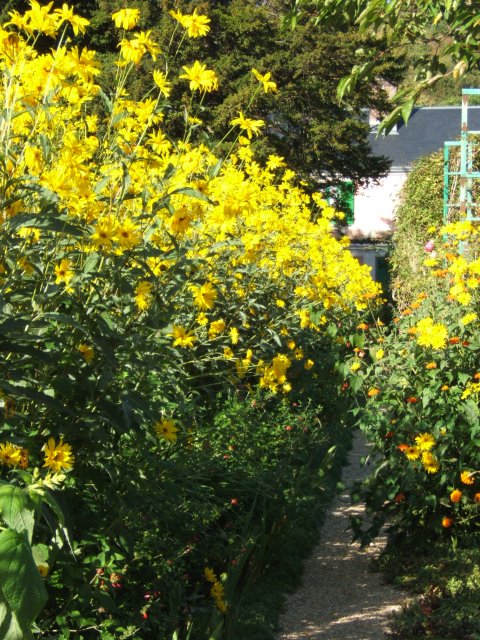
pixel 442 578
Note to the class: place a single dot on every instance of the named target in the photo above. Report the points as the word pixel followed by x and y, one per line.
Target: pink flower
pixel 429 246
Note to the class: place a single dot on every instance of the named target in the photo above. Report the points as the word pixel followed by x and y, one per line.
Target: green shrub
pixel 421 208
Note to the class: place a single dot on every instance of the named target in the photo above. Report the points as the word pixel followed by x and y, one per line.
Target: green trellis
pixel 459 180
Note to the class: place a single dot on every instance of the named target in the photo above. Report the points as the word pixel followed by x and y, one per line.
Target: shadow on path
pixel 340 598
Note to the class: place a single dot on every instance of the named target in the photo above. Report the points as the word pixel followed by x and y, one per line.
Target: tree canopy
pixel 449 28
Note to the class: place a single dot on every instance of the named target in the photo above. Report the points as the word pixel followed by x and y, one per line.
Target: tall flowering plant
pixel 421 382
pixel 140 277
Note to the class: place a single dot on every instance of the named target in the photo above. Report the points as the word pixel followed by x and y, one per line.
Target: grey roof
pixel 427 130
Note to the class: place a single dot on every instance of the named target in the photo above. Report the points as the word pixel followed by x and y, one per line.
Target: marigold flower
pixel 454 340
pixel 10 454
pixel 412 453
pixel 476 497
pixel 466 477
pixel 412 400
pixel 447 522
pixel 456 495
pixel 400 497
pixel 431 365
pixel 430 462
pixel 444 387
pixel 425 441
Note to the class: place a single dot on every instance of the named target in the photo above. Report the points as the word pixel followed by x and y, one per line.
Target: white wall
pixel 374 207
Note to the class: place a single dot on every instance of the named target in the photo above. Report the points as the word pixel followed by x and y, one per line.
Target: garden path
pixel 340 597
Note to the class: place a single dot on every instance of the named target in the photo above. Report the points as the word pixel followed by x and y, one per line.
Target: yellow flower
pixel 430 463
pixel 86 351
pixel 412 453
pixel 160 80
pixel 355 367
pixel 143 295
pixel 200 77
pixel 182 337
pixel 234 335
pixel 468 318
pixel 128 234
pixel 167 429
pixel 467 477
pixel 216 327
pixel 265 80
pixel 126 18
pixel 308 364
pixel 210 575
pixel 63 272
pixel 204 296
pixel 227 353
pixel 430 334
pixel 58 456
pixel 425 441
pixel 248 125
pixel 196 25
pixel 10 454
pixel 65 14
pixel 380 353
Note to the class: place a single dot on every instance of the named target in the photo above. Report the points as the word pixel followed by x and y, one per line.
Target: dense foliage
pixel 165 313
pixel 420 210
pixel 449 29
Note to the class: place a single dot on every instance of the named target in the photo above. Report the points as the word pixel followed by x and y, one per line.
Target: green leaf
pixel 32 394
pixel 17 509
pixel 58 224
pixel 22 594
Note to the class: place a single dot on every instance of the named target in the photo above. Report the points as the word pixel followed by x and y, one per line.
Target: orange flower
pixel 373 392
pixel 454 340
pixel 363 326
pixel 412 400
pixel 431 365
pixel 476 376
pixel 407 312
pixel 400 497
pixel 445 387
pixel 402 447
pixel 456 495
pixel 476 498
pixel 396 320
pixel 412 331
pixel 447 522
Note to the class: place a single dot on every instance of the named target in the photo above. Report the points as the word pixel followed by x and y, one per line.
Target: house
pixel 374 206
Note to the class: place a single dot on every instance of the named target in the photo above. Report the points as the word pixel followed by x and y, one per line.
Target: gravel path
pixel 340 597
